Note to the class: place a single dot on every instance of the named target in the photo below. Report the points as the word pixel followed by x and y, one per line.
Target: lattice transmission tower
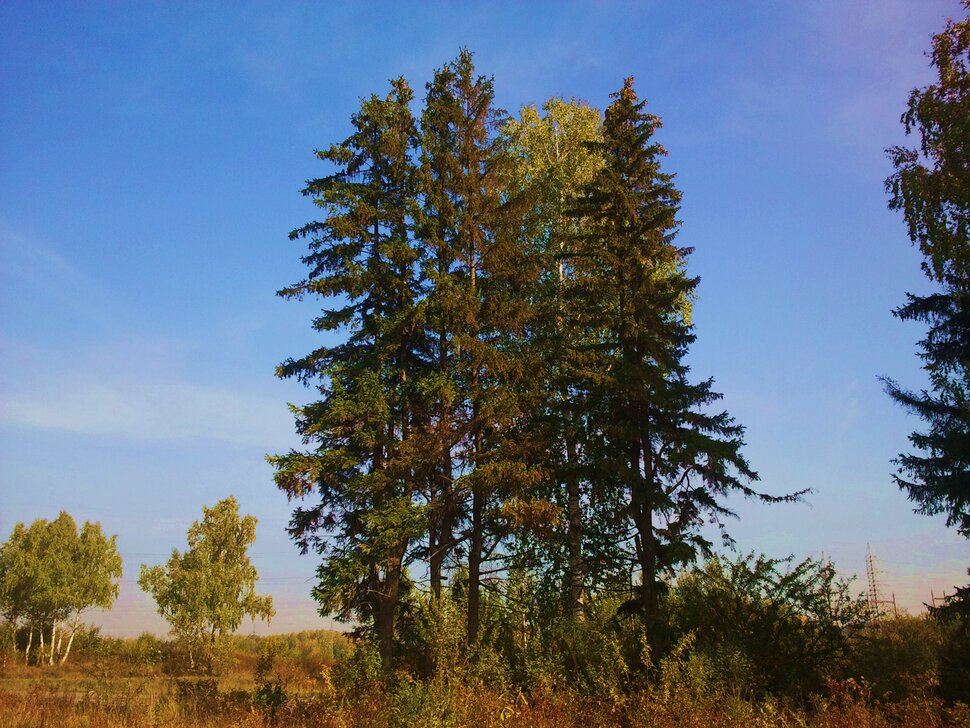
pixel 877 605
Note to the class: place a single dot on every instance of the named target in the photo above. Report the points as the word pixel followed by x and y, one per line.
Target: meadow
pixel 321 679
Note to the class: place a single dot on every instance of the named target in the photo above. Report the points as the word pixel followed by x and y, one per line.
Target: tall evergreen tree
pixel 367 461
pixel 931 186
pixel 476 312
pixel 663 462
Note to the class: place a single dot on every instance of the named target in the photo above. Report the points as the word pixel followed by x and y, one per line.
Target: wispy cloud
pixel 27 263
pixel 109 381
pixel 127 390
pixel 162 411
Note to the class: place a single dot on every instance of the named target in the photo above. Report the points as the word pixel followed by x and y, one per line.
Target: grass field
pixel 280 684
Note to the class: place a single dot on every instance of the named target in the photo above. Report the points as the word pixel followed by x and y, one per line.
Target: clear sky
pixel 151 156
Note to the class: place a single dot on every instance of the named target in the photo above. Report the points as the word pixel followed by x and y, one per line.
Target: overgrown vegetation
pixel 871 673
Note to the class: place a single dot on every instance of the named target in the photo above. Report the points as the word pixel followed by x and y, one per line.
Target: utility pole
pixel 934 599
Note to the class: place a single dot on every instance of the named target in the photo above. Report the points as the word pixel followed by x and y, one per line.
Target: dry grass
pixel 295 691
pixel 58 701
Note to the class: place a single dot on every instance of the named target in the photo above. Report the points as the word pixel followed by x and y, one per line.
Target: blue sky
pixel 151 156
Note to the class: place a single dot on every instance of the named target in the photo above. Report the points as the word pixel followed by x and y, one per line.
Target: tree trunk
pixel 647 553
pixel 70 640
pixel 384 624
pixel 50 660
pixel 30 641
pixel 475 565
pixel 385 607
pixel 40 660
pixel 575 569
pixel 440 534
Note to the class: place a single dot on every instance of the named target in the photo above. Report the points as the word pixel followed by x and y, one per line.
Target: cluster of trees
pixel 50 572
pixel 510 390
pixel 502 386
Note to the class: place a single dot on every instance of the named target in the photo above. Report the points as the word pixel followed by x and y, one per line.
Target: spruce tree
pixel 367 457
pixel 663 461
pixel 931 186
pixel 476 315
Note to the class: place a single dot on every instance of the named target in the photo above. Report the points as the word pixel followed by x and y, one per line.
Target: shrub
pixel 898 658
pixel 783 628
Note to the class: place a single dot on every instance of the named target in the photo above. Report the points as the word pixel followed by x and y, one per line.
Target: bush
pixel 955 659
pixel 898 658
pixel 269 695
pixel 776 628
pixel 361 672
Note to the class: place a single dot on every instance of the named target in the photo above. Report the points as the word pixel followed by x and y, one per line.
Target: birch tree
pixel 205 592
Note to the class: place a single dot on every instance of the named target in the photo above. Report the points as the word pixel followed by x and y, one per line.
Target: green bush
pixel 360 672
pixel 269 696
pixel 773 627
pixel 898 658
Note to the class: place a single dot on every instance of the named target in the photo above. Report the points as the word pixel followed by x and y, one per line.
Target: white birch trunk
pixel 41 648
pixel 50 660
pixel 30 641
pixel 70 641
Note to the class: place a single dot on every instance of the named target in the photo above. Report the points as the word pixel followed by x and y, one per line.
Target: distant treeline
pixel 309 647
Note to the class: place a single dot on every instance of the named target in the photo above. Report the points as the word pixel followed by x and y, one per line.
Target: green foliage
pixel 899 658
pixel 955 655
pixel 51 572
pixel 8 646
pixel 312 648
pixel 766 625
pixel 361 671
pixel 507 401
pixel 206 591
pixel 367 449
pixel 662 462
pixel 931 186
pixel 269 696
